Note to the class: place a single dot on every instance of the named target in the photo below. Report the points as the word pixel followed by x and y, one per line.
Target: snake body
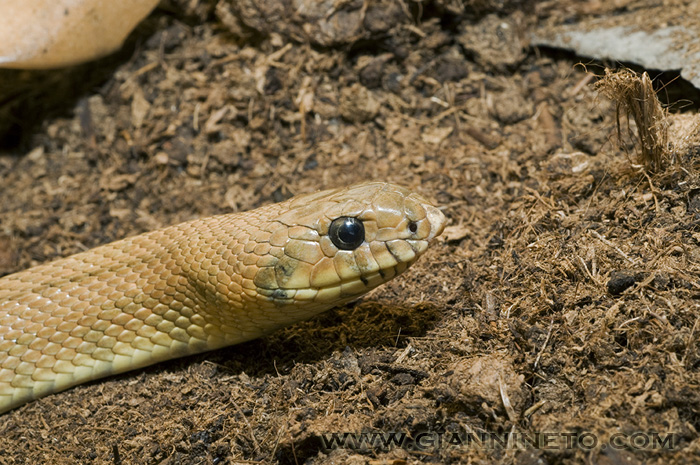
pixel 202 285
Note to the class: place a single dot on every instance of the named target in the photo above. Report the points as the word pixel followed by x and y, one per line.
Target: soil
pixel 562 299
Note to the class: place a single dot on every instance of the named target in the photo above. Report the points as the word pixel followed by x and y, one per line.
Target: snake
pixel 203 284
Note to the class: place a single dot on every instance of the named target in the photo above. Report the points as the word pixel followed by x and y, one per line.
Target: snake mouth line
pixel 373 279
pixel 369 281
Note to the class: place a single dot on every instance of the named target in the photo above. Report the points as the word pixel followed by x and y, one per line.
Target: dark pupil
pixel 347 233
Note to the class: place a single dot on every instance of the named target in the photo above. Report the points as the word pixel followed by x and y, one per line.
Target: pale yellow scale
pixel 202 285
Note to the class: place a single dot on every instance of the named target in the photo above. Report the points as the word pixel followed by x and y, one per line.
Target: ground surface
pixel 564 298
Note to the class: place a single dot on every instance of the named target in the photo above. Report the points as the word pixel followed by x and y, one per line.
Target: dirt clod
pixel 488 380
pixel 620 281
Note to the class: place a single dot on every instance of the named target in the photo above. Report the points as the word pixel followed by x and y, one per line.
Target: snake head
pixel 330 247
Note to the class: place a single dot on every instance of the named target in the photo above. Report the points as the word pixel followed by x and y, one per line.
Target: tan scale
pixel 200 285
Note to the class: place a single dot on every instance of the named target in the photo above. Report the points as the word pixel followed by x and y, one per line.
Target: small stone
pixel 358 104
pixel 620 281
pixel 162 158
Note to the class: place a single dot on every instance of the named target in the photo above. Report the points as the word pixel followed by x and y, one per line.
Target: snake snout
pixel 437 221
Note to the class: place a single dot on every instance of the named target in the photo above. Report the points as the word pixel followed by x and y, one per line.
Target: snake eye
pixel 347 233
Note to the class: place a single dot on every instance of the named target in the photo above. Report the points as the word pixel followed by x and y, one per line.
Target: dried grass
pixel 634 95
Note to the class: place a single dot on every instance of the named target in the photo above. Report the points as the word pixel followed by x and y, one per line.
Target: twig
pixel 611 245
pixel 546 341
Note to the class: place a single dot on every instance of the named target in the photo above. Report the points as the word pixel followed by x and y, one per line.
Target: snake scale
pixel 202 285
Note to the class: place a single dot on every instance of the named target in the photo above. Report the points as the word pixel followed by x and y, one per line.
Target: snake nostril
pixel 413 227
